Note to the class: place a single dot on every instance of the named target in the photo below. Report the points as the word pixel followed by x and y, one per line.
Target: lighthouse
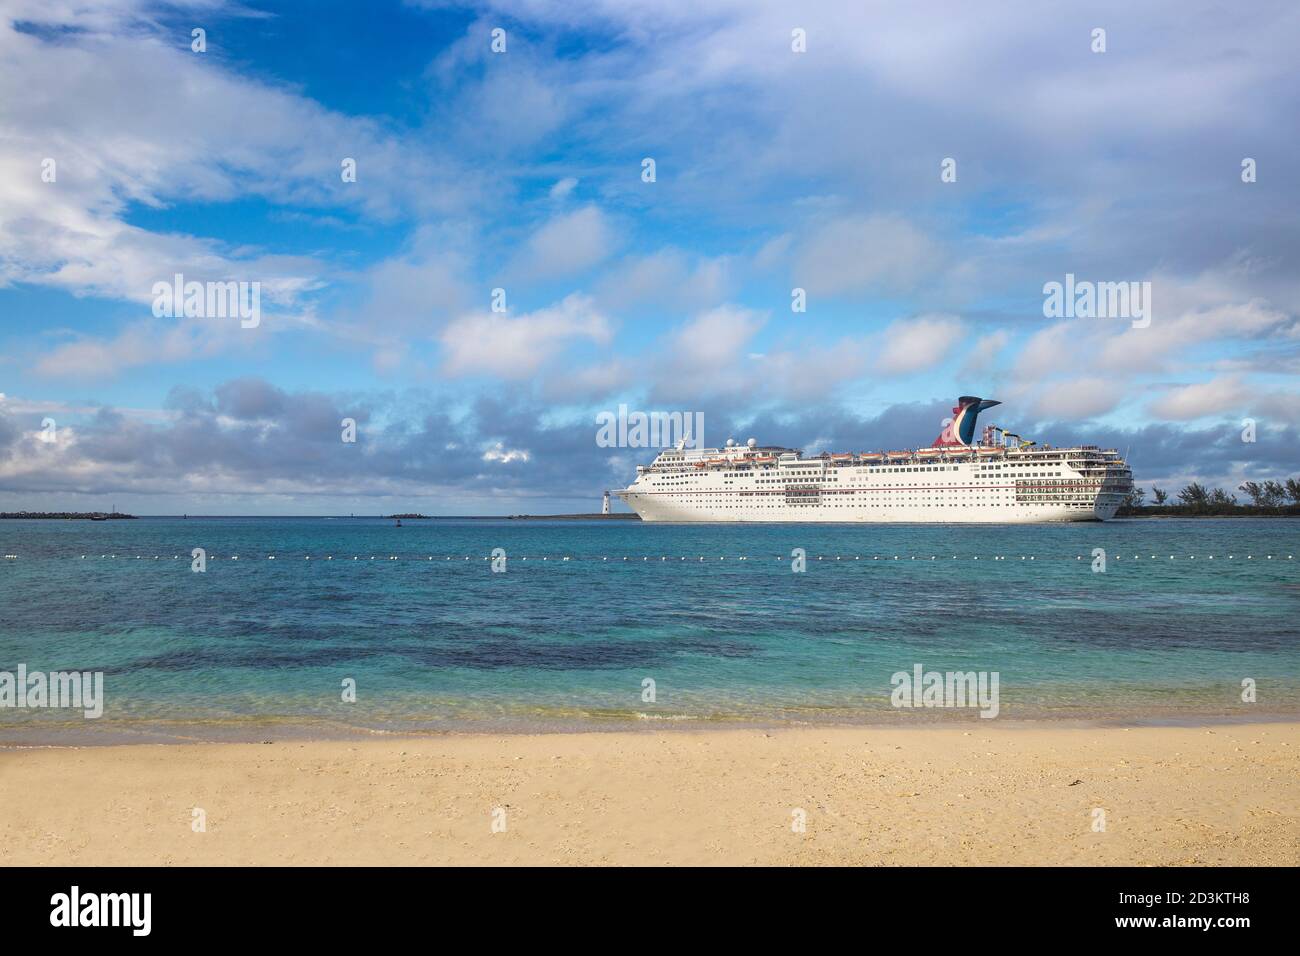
pixel 604 507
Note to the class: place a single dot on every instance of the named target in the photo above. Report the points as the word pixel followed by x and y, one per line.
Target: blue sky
pixel 522 170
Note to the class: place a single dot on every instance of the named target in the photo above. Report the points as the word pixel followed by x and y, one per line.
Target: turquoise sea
pixel 714 615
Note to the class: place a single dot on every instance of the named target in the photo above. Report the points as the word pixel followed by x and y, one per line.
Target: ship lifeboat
pixel 871 457
pixel 841 457
pixel 699 464
pixel 765 459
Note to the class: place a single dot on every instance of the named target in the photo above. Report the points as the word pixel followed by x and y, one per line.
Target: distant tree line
pixel 68 515
pixel 1266 498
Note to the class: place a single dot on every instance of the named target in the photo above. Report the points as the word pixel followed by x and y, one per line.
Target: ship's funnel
pixel 961 430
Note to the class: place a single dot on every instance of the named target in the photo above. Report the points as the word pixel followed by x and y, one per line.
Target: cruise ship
pixel 1002 478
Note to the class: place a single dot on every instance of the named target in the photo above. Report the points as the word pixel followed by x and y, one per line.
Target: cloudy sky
pixel 522 170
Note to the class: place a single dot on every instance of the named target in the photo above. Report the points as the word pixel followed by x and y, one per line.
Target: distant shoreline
pixel 1123 514
pixel 1230 511
pixel 98 515
pixel 67 515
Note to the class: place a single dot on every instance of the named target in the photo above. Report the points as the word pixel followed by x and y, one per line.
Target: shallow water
pixel 557 644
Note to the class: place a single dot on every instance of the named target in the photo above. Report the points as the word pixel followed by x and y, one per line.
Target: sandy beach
pixel 972 795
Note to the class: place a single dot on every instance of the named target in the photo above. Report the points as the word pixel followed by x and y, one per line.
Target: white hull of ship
pixel 656 507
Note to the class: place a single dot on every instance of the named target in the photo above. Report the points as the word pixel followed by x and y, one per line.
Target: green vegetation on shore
pixel 1267 499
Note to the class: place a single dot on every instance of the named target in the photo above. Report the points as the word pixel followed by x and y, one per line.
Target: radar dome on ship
pixel 752 442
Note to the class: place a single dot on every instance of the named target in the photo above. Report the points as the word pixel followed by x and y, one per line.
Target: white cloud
pixel 981 357
pixel 881 253
pixel 1219 397
pixel 911 345
pixel 240 138
pixel 143 343
pixel 667 278
pixel 499 453
pixel 516 347
pixel 569 244
pixel 1077 398
pixel 712 341
pixel 563 187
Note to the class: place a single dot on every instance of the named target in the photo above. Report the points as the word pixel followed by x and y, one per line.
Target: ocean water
pixel 1183 613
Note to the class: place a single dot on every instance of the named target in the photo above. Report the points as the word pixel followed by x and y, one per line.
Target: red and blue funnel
pixel 961 430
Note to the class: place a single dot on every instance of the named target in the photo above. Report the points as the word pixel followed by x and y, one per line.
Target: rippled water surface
pixel 1183 613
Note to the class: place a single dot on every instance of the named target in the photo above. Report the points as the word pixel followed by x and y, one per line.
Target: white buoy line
pixel 703 558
